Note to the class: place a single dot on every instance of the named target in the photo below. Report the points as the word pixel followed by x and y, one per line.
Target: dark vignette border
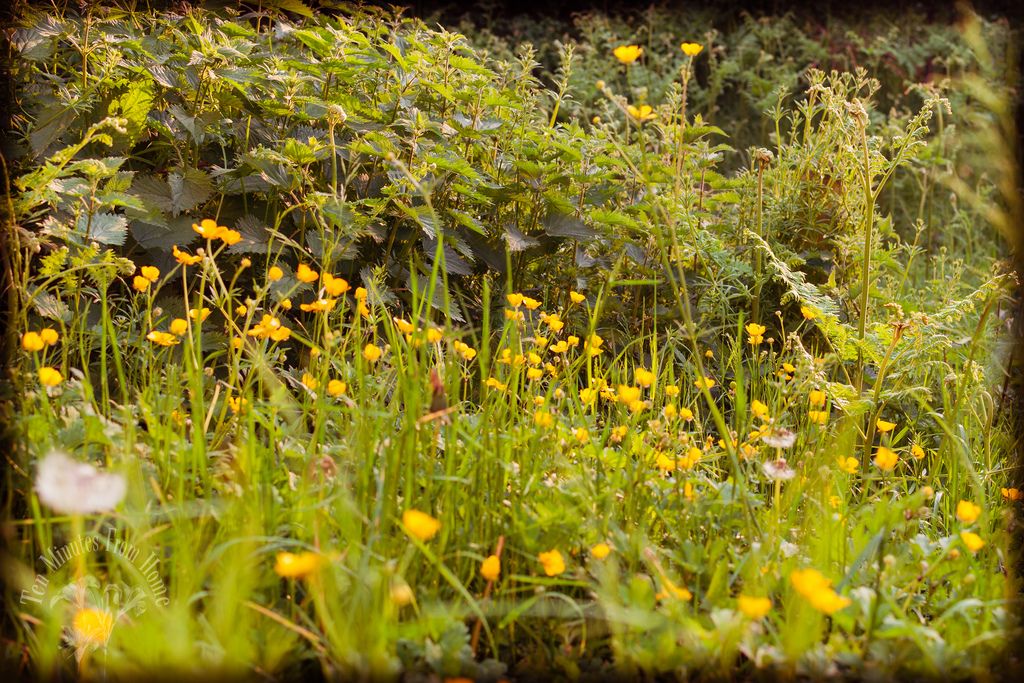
pixel 1011 397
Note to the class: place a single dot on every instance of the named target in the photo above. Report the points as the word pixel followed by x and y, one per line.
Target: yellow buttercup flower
pixel 237 404
pixel 335 286
pixel 543 419
pixel 601 551
pixel 816 398
pixel 691 49
pixel 967 512
pixel 403 325
pixel 465 350
pixel 230 237
pixel 50 377
pixel 199 314
pixel 270 328
pixel 306 274
pixel 673 591
pixel 162 338
pixel 641 114
pixel 336 387
pixel 319 306
pixel 552 562
pixel 420 524
pixel 297 565
pixel 209 229
pixel 577 298
pixel 490 568
pixel 627 54
pixel 179 326
pixel 786 371
pixel 274 274
pixel 140 283
pixel 704 383
pixel 618 433
pixel 808 313
pixel 758 410
pixel 628 394
pixel 49 336
pixel 1011 494
pixel 691 458
pixel 755 334
pixel 754 607
pixel 372 353
pixel 644 377
pixel 850 465
pixel 151 273
pixel 818 417
pixel 817 589
pixel 32 341
pixel 972 540
pixel 883 426
pixel 917 452
pixel 885 458
pixel 531 304
pixel 309 381
pixel 184 258
pixel 92 626
pixel 515 300
pixel 664 463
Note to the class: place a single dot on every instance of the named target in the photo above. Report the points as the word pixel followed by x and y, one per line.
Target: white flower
pixel 72 487
pixel 778 469
pixel 780 438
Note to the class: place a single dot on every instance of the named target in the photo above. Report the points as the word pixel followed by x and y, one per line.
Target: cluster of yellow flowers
pixel 209 229
pixel 817 590
pixel 628 54
pixel 36 342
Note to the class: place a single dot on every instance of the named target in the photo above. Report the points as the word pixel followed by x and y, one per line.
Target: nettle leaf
pixel 565 225
pixel 423 216
pixel 154 192
pixel 467 221
pixel 49 306
pixel 453 263
pixel 97 168
pixel 255 236
pixel 134 106
pixel 517 241
pixel 105 228
pixel 50 124
pixel 161 236
pixel 613 218
pixel 189 189
pixel 295 6
pixel 33 44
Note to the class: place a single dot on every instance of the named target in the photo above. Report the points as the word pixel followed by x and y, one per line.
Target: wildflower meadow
pixel 349 345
